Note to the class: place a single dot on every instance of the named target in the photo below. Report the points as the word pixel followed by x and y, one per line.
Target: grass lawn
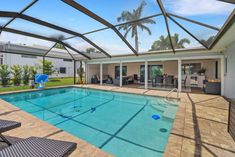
pixel 52 83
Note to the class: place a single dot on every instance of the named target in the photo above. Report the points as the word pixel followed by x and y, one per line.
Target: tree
pixel 134 27
pixel 26 74
pixel 91 50
pixel 16 71
pixel 48 67
pixel 161 44
pixel 164 43
pixel 33 72
pixel 208 41
pixel 80 72
pixel 59 46
pixel 5 74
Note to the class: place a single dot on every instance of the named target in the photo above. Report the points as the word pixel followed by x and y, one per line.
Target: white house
pixel 64 67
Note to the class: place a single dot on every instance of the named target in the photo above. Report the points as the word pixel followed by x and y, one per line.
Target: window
pixel 153 71
pixel 117 71
pixel 67 60
pixel 188 69
pixel 62 70
pixel 28 56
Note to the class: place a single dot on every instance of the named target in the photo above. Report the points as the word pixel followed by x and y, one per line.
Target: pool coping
pixel 176 140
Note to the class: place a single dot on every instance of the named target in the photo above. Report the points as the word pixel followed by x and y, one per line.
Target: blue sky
pixel 207 11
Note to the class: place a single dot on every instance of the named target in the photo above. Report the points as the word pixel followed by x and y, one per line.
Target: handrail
pixel 174 89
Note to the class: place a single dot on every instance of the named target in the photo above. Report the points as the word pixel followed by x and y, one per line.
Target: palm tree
pixel 59 46
pixel 161 44
pixel 164 44
pixel 179 43
pixel 133 27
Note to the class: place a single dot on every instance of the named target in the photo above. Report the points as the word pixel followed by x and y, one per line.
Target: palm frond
pixel 143 27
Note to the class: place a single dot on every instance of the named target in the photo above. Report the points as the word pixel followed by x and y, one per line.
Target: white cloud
pixel 198 7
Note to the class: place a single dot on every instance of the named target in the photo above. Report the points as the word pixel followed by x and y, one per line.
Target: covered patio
pixel 188 73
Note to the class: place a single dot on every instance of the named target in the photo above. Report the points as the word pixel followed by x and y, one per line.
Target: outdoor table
pixel 6 125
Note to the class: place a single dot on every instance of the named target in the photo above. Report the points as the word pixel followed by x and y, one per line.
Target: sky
pixel 211 12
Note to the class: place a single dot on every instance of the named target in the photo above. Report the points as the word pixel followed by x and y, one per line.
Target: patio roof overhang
pixel 77 53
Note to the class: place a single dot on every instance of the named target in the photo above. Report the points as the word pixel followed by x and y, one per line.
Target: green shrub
pixel 16 71
pixel 26 74
pixel 4 74
pixel 48 67
pixel 33 72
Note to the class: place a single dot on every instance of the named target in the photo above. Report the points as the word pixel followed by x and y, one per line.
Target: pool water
pixel 118 123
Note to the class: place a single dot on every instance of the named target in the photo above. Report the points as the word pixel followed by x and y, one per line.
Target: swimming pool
pixel 118 123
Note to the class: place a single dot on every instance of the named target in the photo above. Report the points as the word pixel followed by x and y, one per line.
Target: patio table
pixel 6 125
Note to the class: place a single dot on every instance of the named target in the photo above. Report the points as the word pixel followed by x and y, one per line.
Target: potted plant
pixel 33 72
pixel 202 71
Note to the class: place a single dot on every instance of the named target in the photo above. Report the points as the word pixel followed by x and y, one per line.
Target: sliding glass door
pixel 153 71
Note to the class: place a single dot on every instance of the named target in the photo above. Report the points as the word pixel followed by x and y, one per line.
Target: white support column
pixel 222 75
pixel 86 72
pixel 146 74
pixel 179 75
pixel 120 74
pixel 101 73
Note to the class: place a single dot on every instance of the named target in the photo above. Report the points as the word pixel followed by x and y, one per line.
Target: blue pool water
pixel 118 123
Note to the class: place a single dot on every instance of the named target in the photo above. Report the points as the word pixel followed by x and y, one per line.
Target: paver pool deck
pixel 199 129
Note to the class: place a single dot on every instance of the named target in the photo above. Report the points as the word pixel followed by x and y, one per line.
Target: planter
pixel 31 83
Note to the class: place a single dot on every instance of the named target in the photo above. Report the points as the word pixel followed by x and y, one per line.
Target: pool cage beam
pixel 19 13
pixel 74 61
pixel 187 31
pixel 43 64
pixel 227 1
pixel 99 19
pixel 101 29
pixel 166 22
pixel 193 21
pixel 74 71
pixel 44 38
pixel 49 50
pixel 27 54
pixel 55 27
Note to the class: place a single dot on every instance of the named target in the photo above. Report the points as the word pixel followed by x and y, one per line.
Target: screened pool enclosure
pixel 85 30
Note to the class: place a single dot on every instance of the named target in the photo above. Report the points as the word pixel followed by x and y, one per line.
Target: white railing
pixel 174 89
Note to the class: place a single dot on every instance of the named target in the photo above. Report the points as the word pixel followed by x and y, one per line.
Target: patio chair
pixel 39 147
pixel 159 80
pixel 136 79
pixel 6 125
pixel 169 81
pixel 184 81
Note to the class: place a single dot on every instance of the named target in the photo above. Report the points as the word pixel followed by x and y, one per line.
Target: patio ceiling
pixel 85 29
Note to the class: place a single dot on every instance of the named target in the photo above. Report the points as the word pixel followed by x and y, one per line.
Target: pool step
pixel 170 112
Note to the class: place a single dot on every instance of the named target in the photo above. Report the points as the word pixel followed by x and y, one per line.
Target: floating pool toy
pixel 155 117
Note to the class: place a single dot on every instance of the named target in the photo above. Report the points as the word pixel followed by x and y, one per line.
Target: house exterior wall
pixel 16 59
pixel 230 74
pixel 92 69
pixel 169 67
